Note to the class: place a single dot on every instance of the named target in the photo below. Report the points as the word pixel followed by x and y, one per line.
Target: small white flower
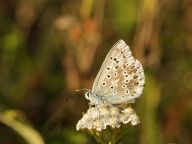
pixel 101 116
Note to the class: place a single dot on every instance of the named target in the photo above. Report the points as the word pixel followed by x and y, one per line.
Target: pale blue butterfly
pixel 120 78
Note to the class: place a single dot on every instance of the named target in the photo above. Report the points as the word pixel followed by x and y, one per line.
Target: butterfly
pixel 120 79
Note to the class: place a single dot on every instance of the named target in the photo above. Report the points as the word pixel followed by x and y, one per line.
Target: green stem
pixel 113 137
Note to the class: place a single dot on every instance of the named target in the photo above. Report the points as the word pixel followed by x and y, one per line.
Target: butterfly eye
pixel 87 95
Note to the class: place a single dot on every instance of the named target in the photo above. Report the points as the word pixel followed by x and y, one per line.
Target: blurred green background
pixel 48 49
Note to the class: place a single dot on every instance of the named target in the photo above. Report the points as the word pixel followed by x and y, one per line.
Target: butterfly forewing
pixel 121 77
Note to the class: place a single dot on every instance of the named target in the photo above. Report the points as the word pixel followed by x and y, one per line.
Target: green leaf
pixel 13 119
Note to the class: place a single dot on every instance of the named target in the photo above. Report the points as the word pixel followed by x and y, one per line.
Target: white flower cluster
pixel 101 116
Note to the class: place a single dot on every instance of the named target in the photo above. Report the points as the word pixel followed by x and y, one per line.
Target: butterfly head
pixel 92 97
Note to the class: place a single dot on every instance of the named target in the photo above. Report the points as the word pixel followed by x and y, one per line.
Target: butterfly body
pixel 120 78
pixel 94 98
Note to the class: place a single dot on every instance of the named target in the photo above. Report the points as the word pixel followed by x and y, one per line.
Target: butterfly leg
pixel 98 112
pixel 106 102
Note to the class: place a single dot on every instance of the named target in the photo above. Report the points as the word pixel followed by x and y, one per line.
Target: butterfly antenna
pixel 83 90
